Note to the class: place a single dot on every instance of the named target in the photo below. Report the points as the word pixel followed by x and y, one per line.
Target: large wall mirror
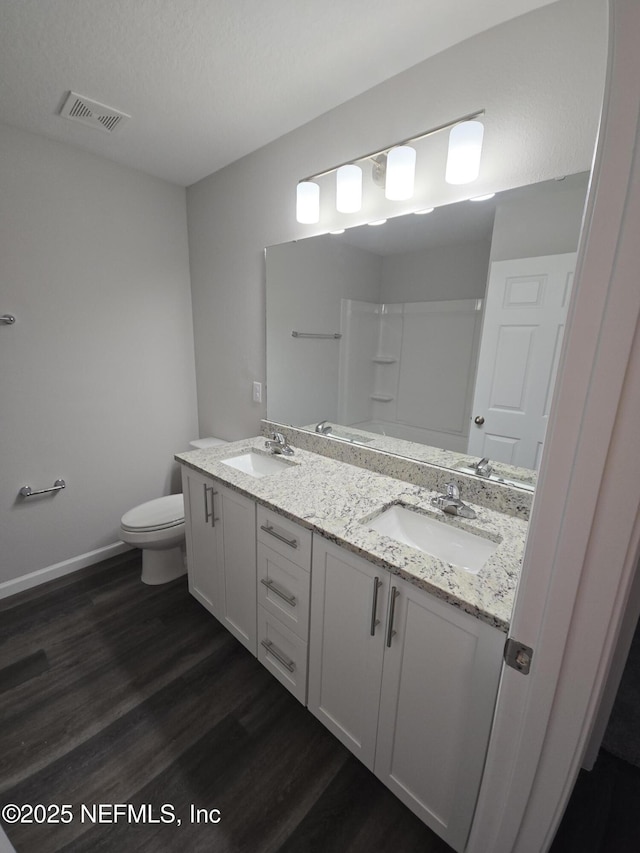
pixel 432 336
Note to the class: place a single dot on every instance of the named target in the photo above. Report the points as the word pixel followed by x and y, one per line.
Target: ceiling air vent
pixel 84 110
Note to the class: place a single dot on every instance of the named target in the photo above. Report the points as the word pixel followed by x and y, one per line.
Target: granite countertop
pixel 332 498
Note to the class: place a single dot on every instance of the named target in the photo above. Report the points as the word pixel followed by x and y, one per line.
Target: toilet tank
pixel 204 443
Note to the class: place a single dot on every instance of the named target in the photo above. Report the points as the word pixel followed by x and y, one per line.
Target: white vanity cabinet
pixel 220 531
pixel 283 589
pixel 346 646
pixel 406 681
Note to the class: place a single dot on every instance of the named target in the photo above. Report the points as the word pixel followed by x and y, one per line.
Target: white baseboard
pixel 50 573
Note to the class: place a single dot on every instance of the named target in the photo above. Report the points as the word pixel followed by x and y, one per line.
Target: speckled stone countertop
pixel 333 498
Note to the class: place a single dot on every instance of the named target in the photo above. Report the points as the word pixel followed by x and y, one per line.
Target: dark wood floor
pixel 115 692
pixel 603 814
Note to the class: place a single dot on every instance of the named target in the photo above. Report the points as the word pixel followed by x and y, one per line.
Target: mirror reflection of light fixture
pixel 424 210
pixel 401 169
pixel 377 222
pixel 349 188
pixel 482 197
pixel 465 149
pixel 308 202
pixel 396 165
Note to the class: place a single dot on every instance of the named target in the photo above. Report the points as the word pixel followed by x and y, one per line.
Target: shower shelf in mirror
pixel 381 398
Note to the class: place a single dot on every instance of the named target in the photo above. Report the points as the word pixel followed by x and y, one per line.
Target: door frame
pixel 584 539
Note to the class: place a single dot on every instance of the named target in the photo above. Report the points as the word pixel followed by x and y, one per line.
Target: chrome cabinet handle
pixel 206 504
pixel 377 583
pixel 209 516
pixel 293 543
pixel 287 663
pixel 390 616
pixel 290 599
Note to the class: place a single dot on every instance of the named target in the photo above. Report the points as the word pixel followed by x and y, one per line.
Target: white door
pixel 525 314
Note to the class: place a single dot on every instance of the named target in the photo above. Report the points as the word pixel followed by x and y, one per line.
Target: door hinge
pixel 518 656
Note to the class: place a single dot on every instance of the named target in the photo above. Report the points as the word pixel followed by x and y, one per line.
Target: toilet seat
pixel 159 514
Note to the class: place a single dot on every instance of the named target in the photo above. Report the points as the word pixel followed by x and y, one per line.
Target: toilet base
pixel 162 566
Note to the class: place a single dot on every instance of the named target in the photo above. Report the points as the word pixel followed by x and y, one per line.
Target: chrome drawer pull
pixel 377 583
pixel 290 599
pixel 293 543
pixel 273 650
pixel 392 611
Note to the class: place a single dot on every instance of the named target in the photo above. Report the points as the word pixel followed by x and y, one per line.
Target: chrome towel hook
pixel 7 319
pixel 28 492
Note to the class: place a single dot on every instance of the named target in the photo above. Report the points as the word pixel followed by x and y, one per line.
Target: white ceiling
pixel 207 81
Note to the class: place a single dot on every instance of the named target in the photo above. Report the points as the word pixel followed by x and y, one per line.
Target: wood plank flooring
pixel 113 692
pixel 603 814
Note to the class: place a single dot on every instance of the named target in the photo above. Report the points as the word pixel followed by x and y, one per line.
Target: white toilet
pixel 157 527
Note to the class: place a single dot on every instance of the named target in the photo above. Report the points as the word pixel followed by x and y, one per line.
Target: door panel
pixel 525 313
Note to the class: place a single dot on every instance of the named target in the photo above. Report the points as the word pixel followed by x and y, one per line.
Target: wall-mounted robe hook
pixel 7 319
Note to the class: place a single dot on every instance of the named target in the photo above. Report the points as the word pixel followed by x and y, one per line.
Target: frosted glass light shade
pixel 349 189
pixel 401 170
pixel 465 150
pixel 308 202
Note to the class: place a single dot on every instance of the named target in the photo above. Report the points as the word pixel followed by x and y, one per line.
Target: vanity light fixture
pixel 396 165
pixel 308 202
pixel 337 231
pixel 401 170
pixel 349 188
pixel 377 222
pixel 465 148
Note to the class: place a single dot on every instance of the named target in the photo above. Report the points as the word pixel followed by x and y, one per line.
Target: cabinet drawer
pixel 283 653
pixel 284 590
pixel 284 536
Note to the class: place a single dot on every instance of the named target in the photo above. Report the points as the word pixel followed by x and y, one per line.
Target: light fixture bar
pixel 388 148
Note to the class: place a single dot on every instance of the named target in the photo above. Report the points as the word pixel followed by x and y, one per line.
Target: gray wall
pixel 97 377
pixel 539 78
pixel 545 224
pixel 314 276
pixel 444 272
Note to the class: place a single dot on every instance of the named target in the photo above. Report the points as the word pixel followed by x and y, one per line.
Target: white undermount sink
pixel 468 551
pixel 257 464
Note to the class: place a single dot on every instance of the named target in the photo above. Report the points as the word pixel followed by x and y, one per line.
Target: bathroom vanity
pixel 397 651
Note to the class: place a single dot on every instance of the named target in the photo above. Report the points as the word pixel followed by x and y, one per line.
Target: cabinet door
pixel 236 548
pixel 439 685
pixel 202 532
pixel 346 645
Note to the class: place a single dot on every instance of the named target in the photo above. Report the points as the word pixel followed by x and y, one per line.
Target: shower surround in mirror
pixel 395 360
pixel 395 326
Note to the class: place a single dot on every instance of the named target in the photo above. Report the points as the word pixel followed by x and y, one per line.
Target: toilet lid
pixel 155 515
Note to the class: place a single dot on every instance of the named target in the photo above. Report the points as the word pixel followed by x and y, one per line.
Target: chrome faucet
pixel 452 504
pixel 278 444
pixel 324 427
pixel 482 467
